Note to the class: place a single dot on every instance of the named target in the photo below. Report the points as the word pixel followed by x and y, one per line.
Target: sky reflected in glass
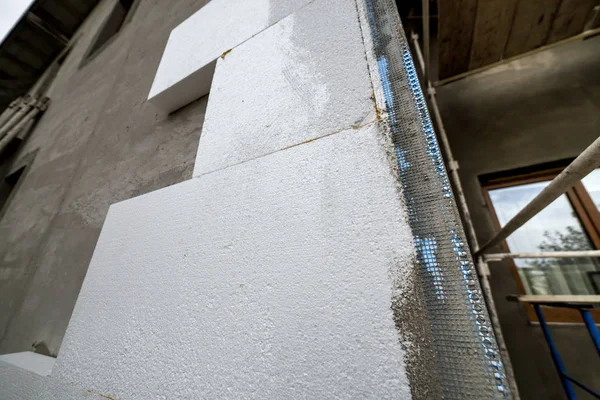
pixel 556 228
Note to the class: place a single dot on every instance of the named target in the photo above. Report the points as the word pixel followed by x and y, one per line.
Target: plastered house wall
pixel 273 272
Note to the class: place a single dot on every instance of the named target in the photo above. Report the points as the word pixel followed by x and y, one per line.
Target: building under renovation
pixel 300 199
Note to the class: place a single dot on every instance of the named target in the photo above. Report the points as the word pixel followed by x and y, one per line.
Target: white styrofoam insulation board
pixel 19 384
pixel 303 78
pixel 270 279
pixel 30 361
pixel 188 62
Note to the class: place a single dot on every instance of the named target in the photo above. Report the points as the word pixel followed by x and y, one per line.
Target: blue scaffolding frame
pixel 583 307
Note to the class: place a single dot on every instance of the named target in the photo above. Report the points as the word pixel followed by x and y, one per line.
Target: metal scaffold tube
pixel 481 265
pixel 32 112
pixel 426 42
pixel 578 169
pixel 452 163
pixel 10 110
pixel 17 116
pixel 553 254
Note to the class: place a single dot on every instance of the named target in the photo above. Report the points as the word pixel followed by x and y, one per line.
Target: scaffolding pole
pixel 10 110
pixel 482 267
pixel 452 163
pixel 33 110
pixel 577 170
pixel 19 113
pixel 553 254
pixel 426 42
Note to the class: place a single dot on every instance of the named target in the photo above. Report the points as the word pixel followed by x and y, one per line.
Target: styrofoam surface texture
pixel 30 361
pixel 270 279
pixel 301 79
pixel 186 66
pixel 19 384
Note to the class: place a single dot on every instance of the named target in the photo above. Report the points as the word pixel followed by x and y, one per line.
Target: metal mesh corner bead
pixel 465 347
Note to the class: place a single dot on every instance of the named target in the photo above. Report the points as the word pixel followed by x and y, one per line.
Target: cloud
pixel 11 11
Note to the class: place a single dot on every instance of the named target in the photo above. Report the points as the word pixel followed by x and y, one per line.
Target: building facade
pixel 274 249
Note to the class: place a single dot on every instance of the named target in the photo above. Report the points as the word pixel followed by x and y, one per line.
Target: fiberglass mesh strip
pixel 465 347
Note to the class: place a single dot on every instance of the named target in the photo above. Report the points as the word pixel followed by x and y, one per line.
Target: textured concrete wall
pixel 543 108
pixel 98 143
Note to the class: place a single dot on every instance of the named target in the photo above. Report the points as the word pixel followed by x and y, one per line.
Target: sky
pixel 10 13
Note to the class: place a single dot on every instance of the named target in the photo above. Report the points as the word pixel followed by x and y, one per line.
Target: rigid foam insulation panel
pixel 17 383
pixel 188 62
pixel 270 279
pixel 303 78
pixel 30 361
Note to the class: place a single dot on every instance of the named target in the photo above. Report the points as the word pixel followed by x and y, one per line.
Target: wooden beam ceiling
pixel 492 26
pixel 455 31
pixel 35 40
pixel 476 33
pixel 525 35
pixel 570 18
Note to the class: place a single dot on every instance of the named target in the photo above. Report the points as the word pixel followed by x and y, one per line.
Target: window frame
pixel 585 211
pixel 23 164
pixel 92 52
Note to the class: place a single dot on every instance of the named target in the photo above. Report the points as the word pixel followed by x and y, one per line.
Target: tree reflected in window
pixel 556 228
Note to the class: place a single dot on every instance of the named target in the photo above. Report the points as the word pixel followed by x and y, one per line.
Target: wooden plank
pixel 531 26
pixel 582 36
pixel 492 26
pixel 455 31
pixel 570 19
pixel 594 22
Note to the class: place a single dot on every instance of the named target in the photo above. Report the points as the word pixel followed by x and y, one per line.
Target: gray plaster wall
pixel 539 109
pixel 99 142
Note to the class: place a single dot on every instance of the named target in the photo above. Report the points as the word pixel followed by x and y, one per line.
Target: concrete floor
pixel 542 108
pixel 100 142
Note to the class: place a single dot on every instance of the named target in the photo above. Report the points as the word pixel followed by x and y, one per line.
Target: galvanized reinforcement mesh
pixel 465 347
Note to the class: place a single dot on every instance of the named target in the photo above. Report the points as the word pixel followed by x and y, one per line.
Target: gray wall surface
pixel 98 143
pixel 542 108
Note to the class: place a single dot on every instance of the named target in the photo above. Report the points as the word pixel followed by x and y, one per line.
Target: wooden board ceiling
pixel 476 33
pixel 35 40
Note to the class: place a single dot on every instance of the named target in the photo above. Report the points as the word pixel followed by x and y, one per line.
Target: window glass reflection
pixel 591 183
pixel 556 228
